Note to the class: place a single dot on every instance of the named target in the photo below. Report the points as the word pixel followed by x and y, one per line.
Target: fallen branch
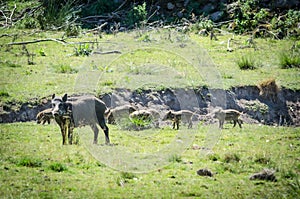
pixel 107 52
pixel 37 41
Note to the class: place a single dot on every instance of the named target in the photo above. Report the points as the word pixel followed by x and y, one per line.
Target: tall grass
pixel 289 60
pixel 246 62
pixel 57 13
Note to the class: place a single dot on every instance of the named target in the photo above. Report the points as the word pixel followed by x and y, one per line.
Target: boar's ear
pixel 65 97
pixel 53 96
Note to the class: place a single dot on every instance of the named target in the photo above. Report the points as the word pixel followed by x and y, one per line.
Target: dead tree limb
pixel 107 52
pixel 36 41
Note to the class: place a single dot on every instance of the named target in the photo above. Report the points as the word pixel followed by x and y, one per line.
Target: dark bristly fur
pixel 85 110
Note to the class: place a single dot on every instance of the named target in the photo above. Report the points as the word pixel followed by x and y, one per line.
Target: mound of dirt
pixel 255 108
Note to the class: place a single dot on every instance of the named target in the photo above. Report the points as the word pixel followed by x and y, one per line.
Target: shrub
pixel 57 14
pixel 72 30
pixel 83 50
pixel 58 167
pixel 232 157
pixel 175 158
pixel 136 15
pixel 246 63
pixel 4 93
pixel 65 69
pixel 127 175
pixel 29 162
pixel 262 159
pixel 289 60
pixel 10 64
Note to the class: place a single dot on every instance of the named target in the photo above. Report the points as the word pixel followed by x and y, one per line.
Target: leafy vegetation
pixel 137 15
pixel 58 167
pixel 246 63
pixel 289 60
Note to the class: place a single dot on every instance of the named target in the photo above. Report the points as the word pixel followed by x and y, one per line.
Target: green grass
pixel 34 164
pixel 289 60
pixel 162 62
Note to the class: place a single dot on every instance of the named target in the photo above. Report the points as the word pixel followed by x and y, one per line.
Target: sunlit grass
pixel 71 171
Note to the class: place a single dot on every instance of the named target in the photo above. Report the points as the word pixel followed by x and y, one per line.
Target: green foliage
pixel 10 64
pixel 289 60
pixel 57 14
pixel 83 50
pixel 65 69
pixel 4 93
pixel 28 22
pixel 246 63
pixel 141 122
pixel 175 158
pixel 262 159
pixel 232 157
pixel 29 162
pixel 42 52
pixel 72 30
pixel 206 24
pixel 58 167
pixel 98 7
pixel 136 15
pixel 127 175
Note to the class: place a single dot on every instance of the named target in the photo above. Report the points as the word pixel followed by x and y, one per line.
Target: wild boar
pixel 85 110
pixel 228 115
pixel 44 116
pixel 177 116
pixel 119 112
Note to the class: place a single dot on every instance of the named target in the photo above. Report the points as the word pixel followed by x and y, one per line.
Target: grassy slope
pixel 257 147
pixel 157 67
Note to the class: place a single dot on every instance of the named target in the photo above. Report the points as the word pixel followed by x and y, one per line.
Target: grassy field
pixel 154 59
pixel 159 163
pixel 34 164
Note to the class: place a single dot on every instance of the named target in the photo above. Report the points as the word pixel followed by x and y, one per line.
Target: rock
pixel 204 172
pixel 170 6
pixel 216 16
pixel 208 8
pixel 179 14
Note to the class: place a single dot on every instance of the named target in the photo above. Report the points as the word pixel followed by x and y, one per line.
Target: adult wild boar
pixel 84 110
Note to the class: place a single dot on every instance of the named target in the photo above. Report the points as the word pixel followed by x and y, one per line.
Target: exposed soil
pixel 283 110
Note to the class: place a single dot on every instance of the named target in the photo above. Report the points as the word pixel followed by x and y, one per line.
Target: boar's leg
pixel 105 130
pixel 96 131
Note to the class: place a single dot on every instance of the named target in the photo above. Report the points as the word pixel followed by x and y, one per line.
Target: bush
pixel 246 63
pixel 175 158
pixel 65 69
pixel 57 14
pixel 4 93
pixel 289 60
pixel 231 157
pixel 58 167
pixel 83 50
pixel 136 15
pixel 29 162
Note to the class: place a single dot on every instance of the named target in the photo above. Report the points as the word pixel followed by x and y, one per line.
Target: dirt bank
pixel 283 110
